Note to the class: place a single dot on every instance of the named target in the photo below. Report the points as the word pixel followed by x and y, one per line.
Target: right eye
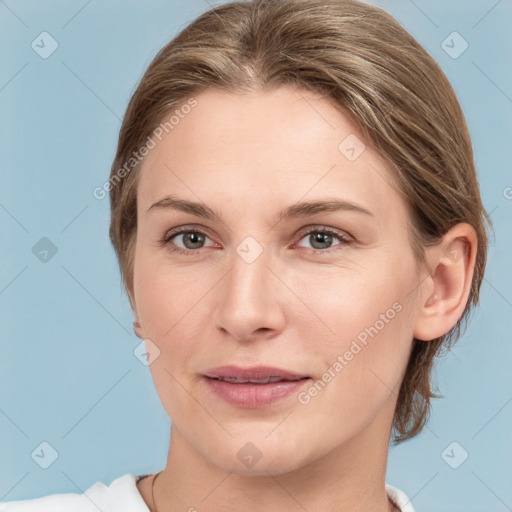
pixel 192 240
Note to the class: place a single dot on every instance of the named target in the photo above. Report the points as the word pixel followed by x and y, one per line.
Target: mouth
pixel 268 380
pixel 253 387
pixel 255 374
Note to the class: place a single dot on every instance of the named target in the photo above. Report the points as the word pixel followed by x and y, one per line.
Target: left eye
pixel 323 238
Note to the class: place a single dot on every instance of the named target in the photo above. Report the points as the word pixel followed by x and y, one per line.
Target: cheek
pixel 165 302
pixel 164 293
pixel 170 302
pixel 366 333
pixel 345 302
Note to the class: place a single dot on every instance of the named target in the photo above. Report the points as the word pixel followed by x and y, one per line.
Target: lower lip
pixel 254 395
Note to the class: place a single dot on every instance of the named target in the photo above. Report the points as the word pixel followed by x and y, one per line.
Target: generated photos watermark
pixel 358 343
pixel 137 156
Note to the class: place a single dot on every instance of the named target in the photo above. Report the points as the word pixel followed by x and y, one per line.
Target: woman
pixel 299 228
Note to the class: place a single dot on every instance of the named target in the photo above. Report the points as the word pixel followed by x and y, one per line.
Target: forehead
pixel 285 143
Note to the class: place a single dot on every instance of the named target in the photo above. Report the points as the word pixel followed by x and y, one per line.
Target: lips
pixel 253 375
pixel 236 380
pixel 255 387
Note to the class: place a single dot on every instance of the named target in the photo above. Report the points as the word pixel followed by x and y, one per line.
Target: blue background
pixel 68 375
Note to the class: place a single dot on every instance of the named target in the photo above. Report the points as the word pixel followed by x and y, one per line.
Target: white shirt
pixel 122 495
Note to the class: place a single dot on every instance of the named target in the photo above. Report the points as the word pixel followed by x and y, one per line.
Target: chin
pixel 260 457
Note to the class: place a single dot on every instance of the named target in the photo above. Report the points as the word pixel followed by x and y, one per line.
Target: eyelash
pixel 167 239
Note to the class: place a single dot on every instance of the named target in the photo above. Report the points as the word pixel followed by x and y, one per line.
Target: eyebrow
pixel 302 209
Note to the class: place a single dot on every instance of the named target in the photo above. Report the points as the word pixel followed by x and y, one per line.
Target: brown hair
pixel 362 60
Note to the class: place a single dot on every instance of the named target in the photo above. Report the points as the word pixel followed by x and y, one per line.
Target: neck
pixel 348 478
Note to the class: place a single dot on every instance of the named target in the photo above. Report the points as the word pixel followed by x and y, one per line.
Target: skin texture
pixel 248 157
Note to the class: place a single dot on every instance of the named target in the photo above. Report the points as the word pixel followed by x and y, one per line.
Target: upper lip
pixel 253 373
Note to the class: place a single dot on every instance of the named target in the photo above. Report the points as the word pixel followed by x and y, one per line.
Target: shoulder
pixel 121 495
pixel 398 497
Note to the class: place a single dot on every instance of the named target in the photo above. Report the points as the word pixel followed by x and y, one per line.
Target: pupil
pixel 194 238
pixel 322 238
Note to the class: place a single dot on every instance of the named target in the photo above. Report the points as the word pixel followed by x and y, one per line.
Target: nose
pixel 249 301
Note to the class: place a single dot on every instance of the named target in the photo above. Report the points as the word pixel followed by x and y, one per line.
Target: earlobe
pixel 137 329
pixel 448 286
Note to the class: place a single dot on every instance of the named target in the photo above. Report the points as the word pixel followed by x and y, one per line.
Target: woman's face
pixel 257 288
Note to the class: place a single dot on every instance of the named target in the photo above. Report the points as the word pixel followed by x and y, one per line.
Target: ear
pixel 444 293
pixel 137 328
